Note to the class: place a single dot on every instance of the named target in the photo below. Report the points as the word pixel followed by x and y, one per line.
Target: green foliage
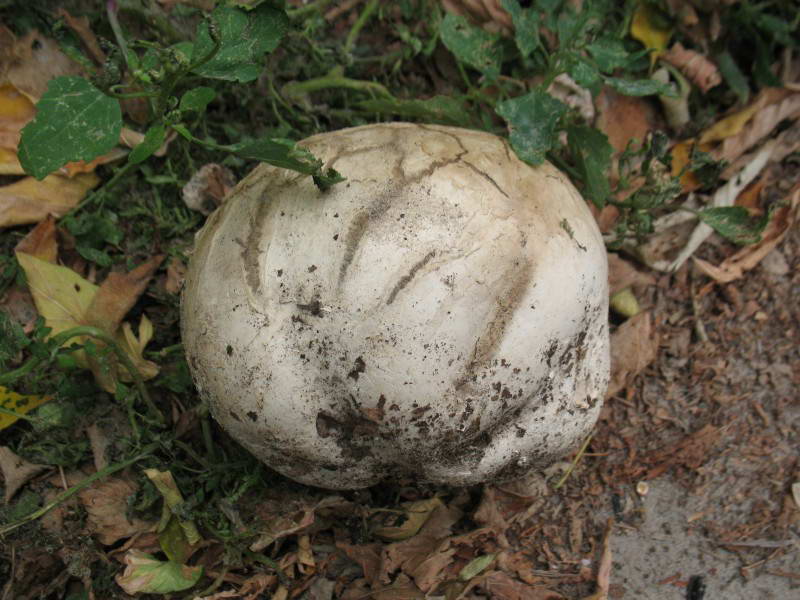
pixel 86 119
pixel 472 45
pixel 591 154
pixel 244 38
pixel 444 110
pixel 533 121
pixel 734 223
pixel 74 121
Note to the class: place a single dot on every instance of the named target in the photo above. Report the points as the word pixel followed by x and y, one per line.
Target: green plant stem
pixel 63 497
pixel 106 187
pixel 574 462
pixel 334 79
pixel 355 30
pixel 311 7
pixel 94 332
pixel 111 11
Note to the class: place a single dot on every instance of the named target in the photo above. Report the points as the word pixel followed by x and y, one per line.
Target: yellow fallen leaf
pixel 67 300
pixel 417 513
pixel 62 297
pixel 9 163
pixel 30 201
pixel 730 125
pixel 134 348
pixel 18 403
pixel 648 27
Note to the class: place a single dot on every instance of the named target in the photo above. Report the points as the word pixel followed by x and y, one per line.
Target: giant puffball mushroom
pixel 441 314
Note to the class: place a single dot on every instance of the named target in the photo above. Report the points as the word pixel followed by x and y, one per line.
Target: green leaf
pixel 74 121
pixel 245 38
pixel 286 155
pixel 96 256
pixel 609 53
pixel 153 139
pixel 439 109
pixel 173 541
pixel 476 566
pixel 144 574
pixel 532 122
pixel 734 223
pixel 526 26
pixel 586 75
pixel 591 152
pixel 197 99
pixel 641 87
pixel 472 45
pixel 733 76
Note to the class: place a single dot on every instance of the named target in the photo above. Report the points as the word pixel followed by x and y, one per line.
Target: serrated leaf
pixel 144 574
pixel 74 121
pixel 476 566
pixel 526 26
pixel 641 87
pixel 734 223
pixel 586 75
pixel 532 122
pixel 439 109
pixel 609 54
pixel 286 155
pixel 472 45
pixel 153 139
pixel 197 99
pixel 18 403
pixel 245 38
pixel 591 152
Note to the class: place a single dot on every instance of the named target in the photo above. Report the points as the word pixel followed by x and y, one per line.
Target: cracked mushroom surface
pixel 441 314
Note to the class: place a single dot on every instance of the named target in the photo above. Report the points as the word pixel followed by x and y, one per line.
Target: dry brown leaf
pixel 634 345
pixel 80 25
pixel 16 471
pixel 490 515
pixel 604 570
pixel 18 303
pixel 284 517
pixel 176 272
pixel 416 513
pixel 118 293
pixel 29 201
pixel 624 118
pixel 33 61
pixel 622 274
pixel 368 557
pixel 208 187
pixel 411 555
pixel 697 68
pixel 741 131
pixel 735 266
pixel 41 241
pixel 691 452
pixel 402 588
pixel 501 586
pixel 106 504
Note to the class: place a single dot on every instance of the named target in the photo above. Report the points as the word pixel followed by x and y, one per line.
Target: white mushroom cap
pixel 442 313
